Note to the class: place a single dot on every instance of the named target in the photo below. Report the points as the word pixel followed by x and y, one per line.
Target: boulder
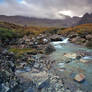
pixel 89 44
pixel 78 57
pixel 56 38
pixel 78 40
pixel 83 61
pixel 22 46
pixel 70 55
pixel 89 36
pixel 37 65
pixel 74 39
pixel 44 84
pixel 68 60
pixel 5 52
pixel 73 36
pixel 79 77
pixel 21 65
pixel 45 40
pixel 49 49
pixel 11 53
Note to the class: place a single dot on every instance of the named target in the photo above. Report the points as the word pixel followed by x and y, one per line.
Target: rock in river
pixel 89 36
pixel 49 49
pixel 70 55
pixel 44 84
pixel 79 77
pixel 84 61
pixel 56 38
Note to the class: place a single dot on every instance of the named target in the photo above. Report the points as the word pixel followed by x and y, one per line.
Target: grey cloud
pixel 45 8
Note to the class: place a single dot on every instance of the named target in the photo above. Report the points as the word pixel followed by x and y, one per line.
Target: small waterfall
pixel 65 40
pixel 57 44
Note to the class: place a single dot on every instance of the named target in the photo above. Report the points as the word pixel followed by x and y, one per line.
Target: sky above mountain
pixel 54 9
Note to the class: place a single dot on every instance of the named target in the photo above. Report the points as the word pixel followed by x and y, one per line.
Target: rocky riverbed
pixel 73 62
pixel 53 64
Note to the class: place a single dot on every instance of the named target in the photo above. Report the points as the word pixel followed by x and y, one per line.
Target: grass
pixel 36 30
pixel 30 31
pixel 81 29
pixel 20 52
pixel 7 34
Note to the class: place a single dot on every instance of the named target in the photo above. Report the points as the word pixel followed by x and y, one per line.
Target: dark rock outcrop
pixel 87 18
pixel 56 38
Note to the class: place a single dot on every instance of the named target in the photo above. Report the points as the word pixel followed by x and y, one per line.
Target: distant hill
pixel 43 22
pixel 67 22
pixel 87 18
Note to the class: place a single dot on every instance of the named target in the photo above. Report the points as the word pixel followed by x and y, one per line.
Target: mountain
pixel 67 22
pixel 87 18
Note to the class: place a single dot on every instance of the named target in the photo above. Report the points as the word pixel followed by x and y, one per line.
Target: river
pixel 65 68
pixel 70 69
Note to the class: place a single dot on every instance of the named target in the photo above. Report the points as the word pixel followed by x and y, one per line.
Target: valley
pixel 45 59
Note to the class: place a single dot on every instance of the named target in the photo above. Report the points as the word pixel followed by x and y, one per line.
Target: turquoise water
pixel 75 66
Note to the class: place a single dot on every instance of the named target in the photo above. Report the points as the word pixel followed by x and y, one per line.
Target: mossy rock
pixel 89 44
pixel 20 52
pixel 49 49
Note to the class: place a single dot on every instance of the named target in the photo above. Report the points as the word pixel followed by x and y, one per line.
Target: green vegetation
pixel 11 29
pixel 30 31
pixel 6 34
pixel 36 30
pixel 20 52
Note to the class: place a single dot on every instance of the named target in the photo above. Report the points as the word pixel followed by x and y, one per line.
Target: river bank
pixel 48 64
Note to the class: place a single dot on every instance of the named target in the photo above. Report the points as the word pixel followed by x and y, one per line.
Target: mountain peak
pixel 87 18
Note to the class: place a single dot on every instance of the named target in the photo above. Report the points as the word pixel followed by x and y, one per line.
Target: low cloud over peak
pixel 54 9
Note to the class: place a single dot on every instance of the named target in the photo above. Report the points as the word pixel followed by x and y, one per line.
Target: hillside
pixel 84 28
pixel 31 31
pixel 67 22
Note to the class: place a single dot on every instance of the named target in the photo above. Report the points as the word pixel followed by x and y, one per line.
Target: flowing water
pixel 66 67
pixel 74 67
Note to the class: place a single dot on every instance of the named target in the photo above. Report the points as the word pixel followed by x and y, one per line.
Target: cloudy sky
pixel 45 8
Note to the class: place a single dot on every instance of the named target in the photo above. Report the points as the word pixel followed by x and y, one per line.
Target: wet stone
pixel 30 90
pixel 78 57
pixel 70 55
pixel 37 65
pixel 45 84
pixel 79 77
pixel 49 49
pixel 84 61
pixel 5 52
pixel 68 61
